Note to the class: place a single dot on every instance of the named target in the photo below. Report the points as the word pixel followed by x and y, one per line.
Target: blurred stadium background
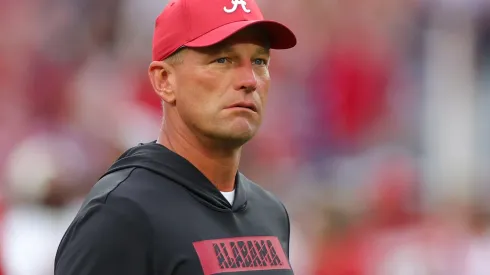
pixel 377 135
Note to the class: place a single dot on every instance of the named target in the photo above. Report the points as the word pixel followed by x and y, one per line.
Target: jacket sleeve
pixel 105 239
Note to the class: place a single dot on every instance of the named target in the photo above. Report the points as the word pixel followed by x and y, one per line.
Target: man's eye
pixel 260 62
pixel 221 60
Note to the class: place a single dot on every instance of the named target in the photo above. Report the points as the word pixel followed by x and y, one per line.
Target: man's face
pixel 221 91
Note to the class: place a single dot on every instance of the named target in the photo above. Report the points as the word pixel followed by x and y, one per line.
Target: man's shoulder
pixel 108 226
pixel 108 191
pixel 130 187
pixel 108 185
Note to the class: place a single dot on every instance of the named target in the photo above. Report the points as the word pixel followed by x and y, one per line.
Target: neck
pixel 219 165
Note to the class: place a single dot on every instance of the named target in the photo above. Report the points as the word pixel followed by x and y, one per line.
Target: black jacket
pixel 154 213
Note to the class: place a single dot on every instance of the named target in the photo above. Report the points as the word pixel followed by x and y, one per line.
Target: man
pixel 179 205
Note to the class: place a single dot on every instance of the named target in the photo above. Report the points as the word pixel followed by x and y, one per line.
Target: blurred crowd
pixel 375 136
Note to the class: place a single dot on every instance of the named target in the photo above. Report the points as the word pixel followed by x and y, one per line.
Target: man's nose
pixel 246 78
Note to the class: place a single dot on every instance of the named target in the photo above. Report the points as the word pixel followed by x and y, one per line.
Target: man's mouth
pixel 246 105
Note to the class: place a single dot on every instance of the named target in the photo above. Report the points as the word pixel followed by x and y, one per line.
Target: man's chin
pixel 237 140
pixel 232 134
pixel 233 139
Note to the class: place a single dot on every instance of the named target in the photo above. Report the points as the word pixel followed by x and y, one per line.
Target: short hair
pixel 176 57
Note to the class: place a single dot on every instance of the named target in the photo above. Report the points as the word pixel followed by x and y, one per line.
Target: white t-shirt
pixel 229 196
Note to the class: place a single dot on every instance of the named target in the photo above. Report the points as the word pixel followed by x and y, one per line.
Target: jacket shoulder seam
pixel 117 185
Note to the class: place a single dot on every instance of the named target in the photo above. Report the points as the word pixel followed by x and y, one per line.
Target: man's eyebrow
pixel 219 49
pixel 263 50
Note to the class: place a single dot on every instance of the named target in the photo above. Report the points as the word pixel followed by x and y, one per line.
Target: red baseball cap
pixel 202 23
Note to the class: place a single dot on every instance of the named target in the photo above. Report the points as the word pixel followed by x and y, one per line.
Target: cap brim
pixel 280 36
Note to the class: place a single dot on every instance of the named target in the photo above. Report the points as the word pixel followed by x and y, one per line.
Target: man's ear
pixel 162 79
